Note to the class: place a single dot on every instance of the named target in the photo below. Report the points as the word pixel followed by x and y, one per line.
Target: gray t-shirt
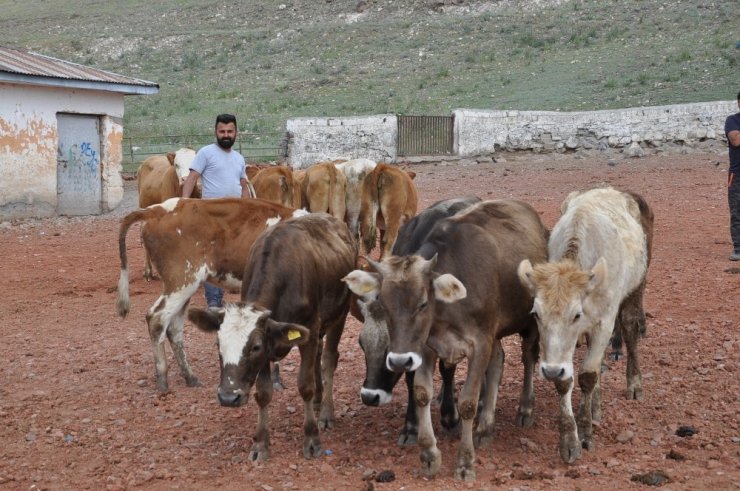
pixel 219 171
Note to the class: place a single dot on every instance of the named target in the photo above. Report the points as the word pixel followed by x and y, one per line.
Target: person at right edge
pixel 732 130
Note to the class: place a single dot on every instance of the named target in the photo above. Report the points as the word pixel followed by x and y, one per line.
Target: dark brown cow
pixel 190 242
pixel 389 199
pixel 454 299
pixel 292 295
pixel 160 178
pixel 276 184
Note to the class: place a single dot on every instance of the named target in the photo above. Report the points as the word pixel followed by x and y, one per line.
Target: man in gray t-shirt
pixel 222 172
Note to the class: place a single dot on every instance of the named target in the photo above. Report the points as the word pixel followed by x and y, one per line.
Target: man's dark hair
pixel 226 119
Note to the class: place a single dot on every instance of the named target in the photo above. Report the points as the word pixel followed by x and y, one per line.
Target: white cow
pixel 355 172
pixel 599 253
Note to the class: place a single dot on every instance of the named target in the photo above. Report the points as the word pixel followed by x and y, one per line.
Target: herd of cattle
pixel 449 284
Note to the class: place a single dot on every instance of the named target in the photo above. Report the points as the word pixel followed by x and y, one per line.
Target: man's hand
pixel 189 185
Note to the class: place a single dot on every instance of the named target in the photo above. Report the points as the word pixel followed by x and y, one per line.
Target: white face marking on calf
pixel 237 326
pixel 168 205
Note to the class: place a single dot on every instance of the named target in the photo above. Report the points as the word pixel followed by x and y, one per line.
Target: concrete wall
pixel 479 132
pixel 28 146
pixel 313 139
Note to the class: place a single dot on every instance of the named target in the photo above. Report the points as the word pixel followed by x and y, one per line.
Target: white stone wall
pixel 314 139
pixel 479 132
pixel 28 146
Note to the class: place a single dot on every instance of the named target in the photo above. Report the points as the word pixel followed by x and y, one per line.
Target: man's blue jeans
pixel 214 295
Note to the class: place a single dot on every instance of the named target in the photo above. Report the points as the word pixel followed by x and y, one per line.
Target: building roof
pixel 26 67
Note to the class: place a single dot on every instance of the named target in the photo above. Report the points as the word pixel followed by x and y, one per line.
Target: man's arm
pixel 734 138
pixel 247 189
pixel 189 185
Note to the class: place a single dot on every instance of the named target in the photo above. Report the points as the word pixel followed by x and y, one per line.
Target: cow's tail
pixel 122 302
pixel 369 210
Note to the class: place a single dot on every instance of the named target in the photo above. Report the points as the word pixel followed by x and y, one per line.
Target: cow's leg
pixel 260 449
pixel 588 380
pixel 410 431
pixel 530 351
pixel 157 323
pixel 148 272
pixel 448 408
pixel 632 318
pixel 570 446
pixel 478 364
pixel 487 416
pixel 393 222
pixel 431 457
pixel 318 380
pixel 307 388
pixel 175 337
pixel 160 318
pixel 329 360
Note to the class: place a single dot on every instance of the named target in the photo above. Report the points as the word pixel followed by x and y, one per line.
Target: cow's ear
pixel 597 275
pixel 285 334
pixel 206 320
pixel 171 157
pixel 449 289
pixel 363 284
pixel 524 271
pixel 411 174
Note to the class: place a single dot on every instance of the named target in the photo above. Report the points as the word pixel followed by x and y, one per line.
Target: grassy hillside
pixel 270 60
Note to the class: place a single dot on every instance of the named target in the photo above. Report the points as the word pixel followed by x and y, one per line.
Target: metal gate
pixel 79 184
pixel 425 135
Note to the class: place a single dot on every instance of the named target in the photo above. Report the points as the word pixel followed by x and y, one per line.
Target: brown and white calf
pixel 389 199
pixel 454 299
pixel 159 178
pixel 292 295
pixel 192 241
pixel 599 253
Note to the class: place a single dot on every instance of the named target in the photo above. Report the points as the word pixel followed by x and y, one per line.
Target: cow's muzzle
pixel 232 399
pixel 375 397
pixel 402 362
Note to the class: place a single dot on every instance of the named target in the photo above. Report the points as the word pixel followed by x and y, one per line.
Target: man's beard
pixel 225 142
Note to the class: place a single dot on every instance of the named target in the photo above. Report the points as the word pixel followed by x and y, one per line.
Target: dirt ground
pixel 79 409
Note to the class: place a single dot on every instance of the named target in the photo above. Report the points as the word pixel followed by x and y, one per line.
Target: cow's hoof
pixel 259 452
pixel 588 444
pixel 450 421
pixel 278 386
pixel 482 439
pixel 326 422
pixel 465 473
pixel 162 386
pixel 616 355
pixel 524 420
pixel 311 448
pixel 570 447
pixel 431 461
pixel 193 381
pixel 408 438
pixel 634 393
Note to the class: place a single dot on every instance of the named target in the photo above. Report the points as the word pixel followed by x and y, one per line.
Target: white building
pixel 60 135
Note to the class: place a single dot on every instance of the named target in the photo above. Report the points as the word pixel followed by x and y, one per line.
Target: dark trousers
pixel 733 199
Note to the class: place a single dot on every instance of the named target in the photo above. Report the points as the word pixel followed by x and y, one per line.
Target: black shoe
pixel 735 256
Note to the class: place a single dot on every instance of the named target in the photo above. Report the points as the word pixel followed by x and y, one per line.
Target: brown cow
pixel 323 189
pixel 160 178
pixel 455 298
pixel 292 295
pixel 389 199
pixel 190 242
pixel 276 184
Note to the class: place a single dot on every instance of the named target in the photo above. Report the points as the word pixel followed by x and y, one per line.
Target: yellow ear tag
pixel 367 288
pixel 293 334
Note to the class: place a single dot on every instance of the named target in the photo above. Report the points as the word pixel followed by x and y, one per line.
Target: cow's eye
pixel 422 306
pixel 577 317
pixel 535 314
pixel 256 348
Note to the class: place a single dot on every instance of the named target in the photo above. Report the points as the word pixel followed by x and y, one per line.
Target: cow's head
pixel 182 160
pixel 408 289
pixel 248 339
pixel 563 309
pixel 377 388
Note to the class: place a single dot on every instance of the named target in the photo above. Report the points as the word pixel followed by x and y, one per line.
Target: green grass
pixel 267 64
